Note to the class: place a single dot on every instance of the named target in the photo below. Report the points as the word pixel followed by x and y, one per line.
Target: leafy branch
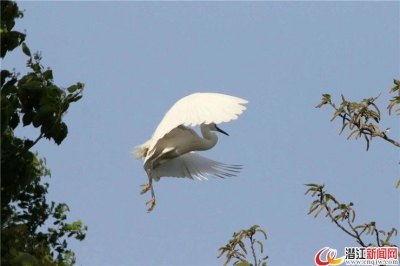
pixel 33 99
pixel 236 248
pixel 343 215
pixel 356 116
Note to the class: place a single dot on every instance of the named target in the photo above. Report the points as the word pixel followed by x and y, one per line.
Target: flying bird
pixel 171 150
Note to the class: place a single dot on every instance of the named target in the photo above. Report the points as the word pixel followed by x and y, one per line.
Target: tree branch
pixel 252 250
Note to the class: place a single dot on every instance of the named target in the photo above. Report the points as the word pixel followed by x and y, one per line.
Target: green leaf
pixel 36 121
pixel 326 96
pixel 14 121
pixel 45 111
pixel 48 74
pixel 80 85
pixel 27 118
pixel 25 49
pixel 61 133
pixel 394 88
pixel 72 88
pixel 54 91
pixel 24 259
pixel 351 133
pixel 4 74
pixel 327 197
pixel 8 89
pixel 48 100
pixel 319 211
pixel 33 86
pixel 36 67
pixel 343 127
pixel 75 98
pixel 243 263
pixel 312 185
pixel 28 78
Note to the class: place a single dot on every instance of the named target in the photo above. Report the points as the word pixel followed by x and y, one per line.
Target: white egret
pixel 170 151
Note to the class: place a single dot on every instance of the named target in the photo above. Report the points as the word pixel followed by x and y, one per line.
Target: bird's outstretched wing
pixel 193 165
pixel 199 108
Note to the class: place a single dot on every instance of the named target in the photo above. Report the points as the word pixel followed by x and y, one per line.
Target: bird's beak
pixel 220 130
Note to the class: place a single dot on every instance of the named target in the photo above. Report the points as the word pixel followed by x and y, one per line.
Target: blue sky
pixel 138 58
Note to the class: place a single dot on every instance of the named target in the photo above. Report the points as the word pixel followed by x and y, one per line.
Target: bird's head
pixel 214 127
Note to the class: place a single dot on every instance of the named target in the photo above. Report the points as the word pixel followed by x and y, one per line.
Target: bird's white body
pixel 170 151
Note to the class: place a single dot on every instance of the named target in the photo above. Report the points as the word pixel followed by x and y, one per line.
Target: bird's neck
pixel 209 139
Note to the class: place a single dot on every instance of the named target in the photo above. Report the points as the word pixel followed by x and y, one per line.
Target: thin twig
pixel 385 137
pixel 26 148
pixel 36 141
pixel 330 215
pixel 358 235
pixel 253 251
pixel 377 237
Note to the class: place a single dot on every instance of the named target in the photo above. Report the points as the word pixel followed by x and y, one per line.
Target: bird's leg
pixel 146 187
pixel 152 201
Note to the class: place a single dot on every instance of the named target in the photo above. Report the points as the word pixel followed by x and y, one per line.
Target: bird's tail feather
pixel 140 151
